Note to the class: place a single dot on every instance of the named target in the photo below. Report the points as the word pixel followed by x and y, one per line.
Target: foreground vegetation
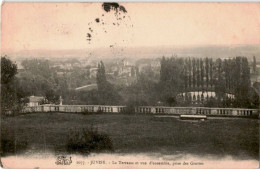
pixel 133 134
pixel 87 140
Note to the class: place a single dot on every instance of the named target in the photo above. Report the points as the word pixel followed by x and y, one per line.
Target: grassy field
pixel 140 133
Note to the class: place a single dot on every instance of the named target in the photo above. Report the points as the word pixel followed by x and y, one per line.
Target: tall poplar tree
pixel 193 73
pixel 201 73
pixel 207 71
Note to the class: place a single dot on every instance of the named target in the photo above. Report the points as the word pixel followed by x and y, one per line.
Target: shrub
pixel 86 112
pixel 130 109
pixel 88 140
pixel 99 111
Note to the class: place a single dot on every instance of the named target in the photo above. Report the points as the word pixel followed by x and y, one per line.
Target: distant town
pixel 122 71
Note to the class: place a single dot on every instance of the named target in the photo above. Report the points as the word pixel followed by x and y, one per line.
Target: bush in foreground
pixel 88 140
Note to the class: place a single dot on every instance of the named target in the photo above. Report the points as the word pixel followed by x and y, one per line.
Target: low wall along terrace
pixel 197 110
pixel 144 110
pixel 75 108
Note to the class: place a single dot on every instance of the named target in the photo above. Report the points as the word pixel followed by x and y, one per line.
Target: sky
pixel 65 26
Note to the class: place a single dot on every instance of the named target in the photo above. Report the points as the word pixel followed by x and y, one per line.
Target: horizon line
pixel 141 46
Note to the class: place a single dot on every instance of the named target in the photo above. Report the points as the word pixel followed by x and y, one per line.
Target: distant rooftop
pixel 87 87
pixel 35 98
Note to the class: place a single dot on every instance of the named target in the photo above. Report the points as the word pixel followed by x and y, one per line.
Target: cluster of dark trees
pixel 254 66
pixel 37 78
pixel 9 98
pixel 189 74
pixel 228 76
pixel 204 74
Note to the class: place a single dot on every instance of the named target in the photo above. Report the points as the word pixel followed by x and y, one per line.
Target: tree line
pixel 177 76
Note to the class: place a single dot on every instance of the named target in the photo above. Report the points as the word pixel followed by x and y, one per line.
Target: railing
pixel 75 108
pixel 197 110
pixel 144 110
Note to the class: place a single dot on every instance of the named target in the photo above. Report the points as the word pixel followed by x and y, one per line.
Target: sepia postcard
pixel 130 85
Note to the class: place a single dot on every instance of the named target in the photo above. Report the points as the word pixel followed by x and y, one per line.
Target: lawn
pixel 140 133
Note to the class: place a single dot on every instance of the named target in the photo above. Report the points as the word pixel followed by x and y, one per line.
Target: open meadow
pixel 129 134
